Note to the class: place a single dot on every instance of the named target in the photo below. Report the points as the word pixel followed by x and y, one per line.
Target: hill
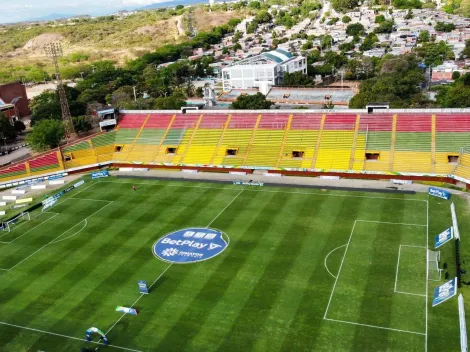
pixel 89 39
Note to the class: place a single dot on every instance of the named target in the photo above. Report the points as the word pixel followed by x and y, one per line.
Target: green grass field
pixel 305 270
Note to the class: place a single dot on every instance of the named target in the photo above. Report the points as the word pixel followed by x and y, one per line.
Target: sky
pixel 21 10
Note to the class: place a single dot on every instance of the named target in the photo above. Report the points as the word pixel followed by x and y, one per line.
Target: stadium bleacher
pixel 402 142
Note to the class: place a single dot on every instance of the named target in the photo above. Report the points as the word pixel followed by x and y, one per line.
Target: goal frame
pixel 22 216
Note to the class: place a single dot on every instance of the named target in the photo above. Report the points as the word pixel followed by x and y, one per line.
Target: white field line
pixel 63 233
pixel 234 198
pixel 409 293
pixel 169 266
pixel 66 199
pixel 398 265
pixel 61 335
pixel 16 227
pixel 427 275
pixel 326 258
pixel 91 200
pixel 138 299
pixel 55 214
pixel 375 326
pixel 392 223
pixel 339 270
pixel 76 233
pixel 272 191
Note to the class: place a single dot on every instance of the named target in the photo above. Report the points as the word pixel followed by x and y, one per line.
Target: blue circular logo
pixel 190 245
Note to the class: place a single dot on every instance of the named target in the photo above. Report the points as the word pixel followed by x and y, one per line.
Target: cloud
pixel 16 7
pixel 141 2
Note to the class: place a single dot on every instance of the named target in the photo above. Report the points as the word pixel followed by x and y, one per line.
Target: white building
pixel 267 67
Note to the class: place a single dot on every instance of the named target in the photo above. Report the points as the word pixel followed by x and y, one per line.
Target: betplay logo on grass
pixel 190 245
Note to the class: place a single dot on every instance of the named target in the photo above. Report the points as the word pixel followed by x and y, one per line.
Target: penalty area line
pixel 376 327
pixel 326 258
pixel 53 216
pixel 65 336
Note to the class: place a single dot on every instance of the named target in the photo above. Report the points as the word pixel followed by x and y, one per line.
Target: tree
pixel 19 126
pixel 369 42
pixel 308 45
pixel 344 5
pixel 385 27
pixel 424 36
pixel 407 4
pixel 379 19
pixel 455 75
pixel 46 134
pixel 82 124
pixel 7 130
pixel 251 102
pixel 444 27
pixel 297 79
pixel 398 83
pixel 173 102
pixel 326 41
pixel 346 19
pixel 355 29
pixel 434 53
pixel 466 50
pixel 47 105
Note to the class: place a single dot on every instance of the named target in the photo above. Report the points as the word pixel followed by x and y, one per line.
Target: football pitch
pixel 304 270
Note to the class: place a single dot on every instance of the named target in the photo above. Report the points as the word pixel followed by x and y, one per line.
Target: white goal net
pixel 434 273
pixel 7 226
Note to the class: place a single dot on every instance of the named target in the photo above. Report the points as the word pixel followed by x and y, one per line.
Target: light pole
pixel 54 51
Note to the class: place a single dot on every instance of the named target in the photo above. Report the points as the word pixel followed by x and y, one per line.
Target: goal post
pixel 24 216
pixel 434 272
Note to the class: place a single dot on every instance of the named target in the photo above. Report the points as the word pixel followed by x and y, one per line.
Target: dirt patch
pixel 41 40
pixel 206 20
pixel 160 29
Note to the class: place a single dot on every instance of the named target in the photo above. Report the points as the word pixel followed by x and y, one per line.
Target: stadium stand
pixel 45 163
pixel 401 142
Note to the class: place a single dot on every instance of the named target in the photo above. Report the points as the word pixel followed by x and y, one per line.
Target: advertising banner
pixel 248 183
pixel 143 286
pixel 99 174
pixel 444 292
pixel 436 192
pixel 126 310
pixel 55 177
pixel 401 182
pixel 443 237
pixel 190 245
pixel 24 200
pixel 78 184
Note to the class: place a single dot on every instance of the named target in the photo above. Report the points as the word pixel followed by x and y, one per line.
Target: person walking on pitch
pixel 134 188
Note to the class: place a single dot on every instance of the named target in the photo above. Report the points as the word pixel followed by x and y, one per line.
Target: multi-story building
pixel 268 67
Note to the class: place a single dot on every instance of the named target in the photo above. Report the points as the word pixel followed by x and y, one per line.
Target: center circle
pixel 190 245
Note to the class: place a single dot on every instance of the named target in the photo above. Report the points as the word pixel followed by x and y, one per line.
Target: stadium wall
pixel 402 144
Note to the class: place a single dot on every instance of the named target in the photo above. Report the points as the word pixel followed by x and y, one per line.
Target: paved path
pixel 287 180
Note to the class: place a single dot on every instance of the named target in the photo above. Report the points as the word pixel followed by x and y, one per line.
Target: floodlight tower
pixel 54 51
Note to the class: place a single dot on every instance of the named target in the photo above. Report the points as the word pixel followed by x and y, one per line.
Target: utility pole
pixel 54 51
